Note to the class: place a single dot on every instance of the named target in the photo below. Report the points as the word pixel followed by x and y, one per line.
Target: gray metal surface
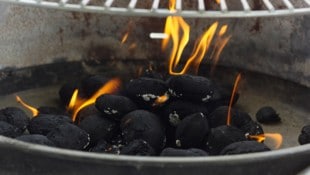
pixel 24 158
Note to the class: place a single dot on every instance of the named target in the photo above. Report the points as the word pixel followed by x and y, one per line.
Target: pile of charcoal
pixel 184 115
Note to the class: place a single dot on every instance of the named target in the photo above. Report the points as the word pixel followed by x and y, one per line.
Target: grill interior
pixel 185 8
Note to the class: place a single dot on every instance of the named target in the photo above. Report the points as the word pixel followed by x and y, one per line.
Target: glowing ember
pixel 161 99
pixel 178 31
pixel 78 104
pixel 275 137
pixel 34 111
pixel 232 98
pixel 218 1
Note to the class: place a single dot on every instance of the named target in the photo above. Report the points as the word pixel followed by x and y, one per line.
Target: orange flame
pixel 178 30
pixel 275 137
pixel 34 111
pixel 125 37
pixel 218 1
pixel 232 97
pixel 219 46
pixel 76 104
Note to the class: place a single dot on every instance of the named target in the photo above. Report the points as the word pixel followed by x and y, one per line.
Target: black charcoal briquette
pixel 92 84
pixel 15 116
pixel 267 115
pixel 144 91
pixel 138 147
pixel 103 146
pixel 98 127
pixel 9 130
pixel 69 136
pixel 252 128
pixel 192 131
pixel 36 138
pixel 44 123
pixel 191 87
pixel 66 92
pixel 192 152
pixel 244 147
pixel 114 106
pixel 177 110
pixel 304 137
pixel 141 124
pixel 51 110
pixel 222 136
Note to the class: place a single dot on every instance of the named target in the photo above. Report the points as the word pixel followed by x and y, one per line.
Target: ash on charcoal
pixel 44 123
pixel 99 127
pixel 103 146
pixel 138 147
pixel 244 147
pixel 267 115
pixel 66 92
pixel 15 116
pixel 222 136
pixel 304 137
pixel 141 124
pixel 69 136
pixel 115 106
pixel 144 91
pixel 36 138
pixel 190 87
pixel 177 110
pixel 192 131
pixel 252 128
pixel 91 84
pixel 9 130
pixel 51 110
pixel 192 152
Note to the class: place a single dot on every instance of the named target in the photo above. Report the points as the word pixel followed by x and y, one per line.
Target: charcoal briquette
pixel 69 136
pixel 44 123
pixel 141 124
pixel 66 91
pixel 36 138
pixel 149 73
pixel 304 136
pixel 92 84
pixel 87 111
pixel 174 152
pixel 192 131
pixel 114 106
pixel 144 91
pixel 222 136
pixel 103 146
pixel 190 87
pixel 99 127
pixel 51 110
pixel 138 147
pixel 9 130
pixel 177 110
pixel 252 128
pixel 15 116
pixel 267 114
pixel 219 117
pixel 244 147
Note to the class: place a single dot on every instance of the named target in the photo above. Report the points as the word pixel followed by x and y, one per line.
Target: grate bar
pixel 156 11
pixel 288 4
pixel 201 5
pixel 246 5
pixel 269 5
pixel 108 3
pixel 223 6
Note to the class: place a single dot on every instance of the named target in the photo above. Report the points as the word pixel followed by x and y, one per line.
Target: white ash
pixel 207 98
pixel 178 143
pixel 110 111
pixel 148 97
pixel 173 93
pixel 174 118
pixel 88 142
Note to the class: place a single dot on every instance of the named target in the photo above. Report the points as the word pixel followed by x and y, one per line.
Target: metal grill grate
pixel 198 9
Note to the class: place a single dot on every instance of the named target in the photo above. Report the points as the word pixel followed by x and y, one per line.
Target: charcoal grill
pixel 54 39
